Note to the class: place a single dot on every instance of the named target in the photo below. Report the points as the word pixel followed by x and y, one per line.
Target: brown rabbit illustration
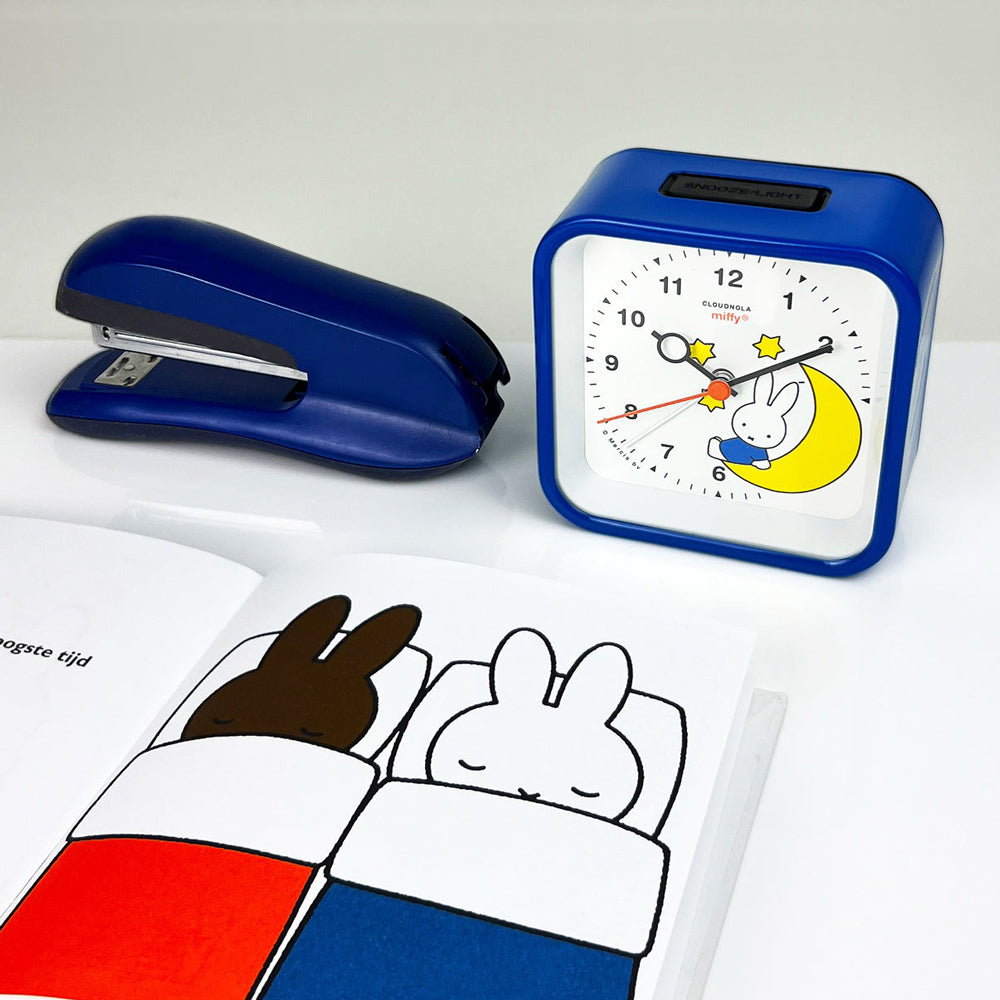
pixel 294 693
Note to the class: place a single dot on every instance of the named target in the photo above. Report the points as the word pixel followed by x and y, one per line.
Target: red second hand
pixel 717 390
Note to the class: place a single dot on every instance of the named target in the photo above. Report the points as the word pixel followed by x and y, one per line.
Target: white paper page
pixel 466 612
pixel 98 631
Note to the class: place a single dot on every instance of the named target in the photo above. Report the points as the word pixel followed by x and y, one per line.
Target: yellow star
pixel 702 352
pixel 768 347
pixel 712 404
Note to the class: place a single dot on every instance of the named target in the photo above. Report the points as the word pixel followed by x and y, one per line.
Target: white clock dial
pixel 724 388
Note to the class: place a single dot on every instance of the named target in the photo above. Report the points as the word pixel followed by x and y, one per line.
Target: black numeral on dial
pixel 735 278
pixel 638 317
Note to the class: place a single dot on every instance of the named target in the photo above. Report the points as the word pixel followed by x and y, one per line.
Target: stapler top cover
pixel 273 348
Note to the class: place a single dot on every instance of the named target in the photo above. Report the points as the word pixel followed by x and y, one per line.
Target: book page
pixel 507 777
pixel 98 629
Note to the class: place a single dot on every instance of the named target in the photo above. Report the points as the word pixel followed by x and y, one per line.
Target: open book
pixel 371 777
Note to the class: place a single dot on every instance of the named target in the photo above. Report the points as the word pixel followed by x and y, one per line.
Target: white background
pixel 430 144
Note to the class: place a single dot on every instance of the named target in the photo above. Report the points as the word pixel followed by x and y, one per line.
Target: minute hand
pixel 826 348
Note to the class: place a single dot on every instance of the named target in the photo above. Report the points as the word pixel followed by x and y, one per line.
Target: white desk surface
pixel 872 870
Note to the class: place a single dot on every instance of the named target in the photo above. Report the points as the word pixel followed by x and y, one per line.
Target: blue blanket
pixel 358 944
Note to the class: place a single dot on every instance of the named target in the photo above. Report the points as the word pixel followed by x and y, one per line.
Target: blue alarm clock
pixel 732 354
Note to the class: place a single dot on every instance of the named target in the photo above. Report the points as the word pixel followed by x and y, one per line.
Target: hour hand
pixel 675 348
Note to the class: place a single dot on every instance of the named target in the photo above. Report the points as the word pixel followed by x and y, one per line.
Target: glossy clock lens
pixel 744 378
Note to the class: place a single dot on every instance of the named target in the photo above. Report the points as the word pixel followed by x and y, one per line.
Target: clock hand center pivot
pixel 719 389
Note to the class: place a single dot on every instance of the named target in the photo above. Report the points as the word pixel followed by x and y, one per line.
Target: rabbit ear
pixel 304 638
pixel 376 641
pixel 762 388
pixel 598 682
pixel 785 399
pixel 522 668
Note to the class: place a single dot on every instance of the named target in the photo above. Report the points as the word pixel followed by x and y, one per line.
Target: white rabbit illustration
pixel 758 425
pixel 561 751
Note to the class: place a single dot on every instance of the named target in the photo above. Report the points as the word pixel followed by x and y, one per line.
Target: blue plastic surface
pixel 878 222
pixel 397 382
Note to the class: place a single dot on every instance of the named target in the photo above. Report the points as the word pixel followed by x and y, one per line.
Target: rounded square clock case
pixel 732 354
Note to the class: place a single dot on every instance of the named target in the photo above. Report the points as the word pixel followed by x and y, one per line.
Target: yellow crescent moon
pixel 826 452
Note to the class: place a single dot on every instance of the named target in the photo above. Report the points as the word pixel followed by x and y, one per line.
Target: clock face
pixel 721 393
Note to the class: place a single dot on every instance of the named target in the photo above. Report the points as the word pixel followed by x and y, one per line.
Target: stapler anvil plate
pixel 211 334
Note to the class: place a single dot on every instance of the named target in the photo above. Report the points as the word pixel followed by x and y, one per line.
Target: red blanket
pixel 122 918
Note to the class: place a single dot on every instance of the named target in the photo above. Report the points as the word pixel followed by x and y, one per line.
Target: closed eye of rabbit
pixel 583 794
pixel 471 767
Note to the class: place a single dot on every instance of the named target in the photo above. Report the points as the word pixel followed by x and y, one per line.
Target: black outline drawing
pixel 524 803
pixel 321 879
pixel 548 700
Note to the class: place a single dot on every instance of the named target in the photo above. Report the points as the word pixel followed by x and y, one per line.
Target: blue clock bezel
pixel 876 222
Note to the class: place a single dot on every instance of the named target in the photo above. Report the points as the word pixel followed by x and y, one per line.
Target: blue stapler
pixel 211 334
